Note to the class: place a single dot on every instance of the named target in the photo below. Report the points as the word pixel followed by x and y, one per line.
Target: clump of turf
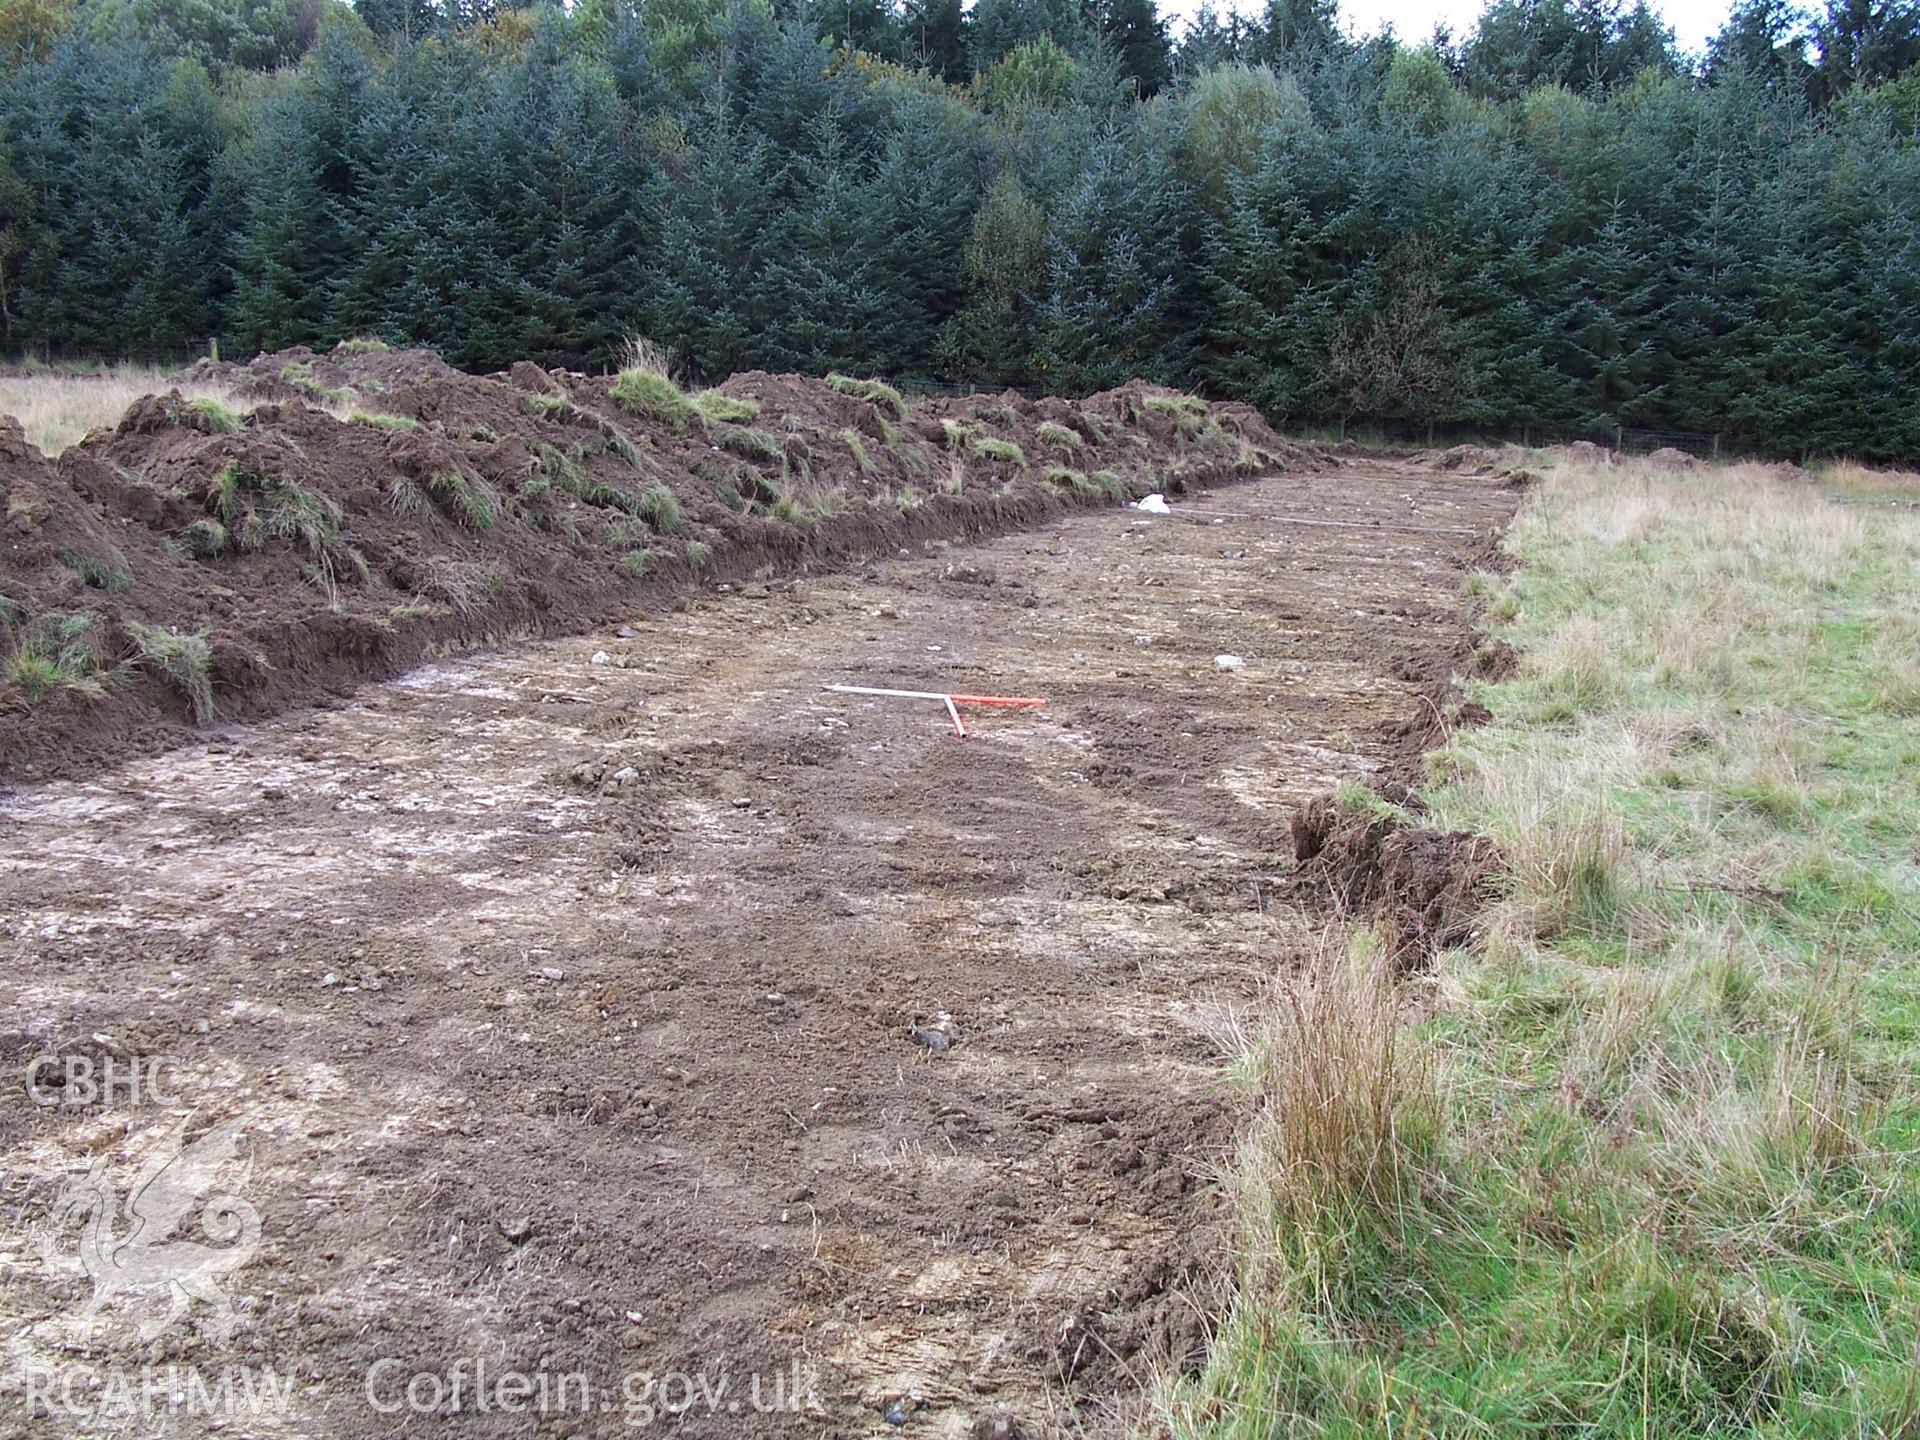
pixel 102 574
pixel 754 444
pixel 652 396
pixel 474 502
pixel 877 393
pixel 184 661
pixel 988 447
pixel 1059 437
pixel 857 447
pixel 382 420
pixel 55 651
pixel 255 506
pixel 206 413
pixel 716 408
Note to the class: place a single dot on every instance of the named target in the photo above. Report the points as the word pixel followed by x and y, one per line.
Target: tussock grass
pixel 660 508
pixel 361 345
pixel 716 408
pixel 875 392
pixel 215 415
pixel 988 447
pixel 382 420
pixel 463 586
pixel 1648 1161
pixel 550 406
pixel 255 507
pixel 652 396
pixel 184 661
pixel 100 572
pixel 699 552
pixel 753 444
pixel 857 447
pixel 55 650
pixel 471 500
pixel 1058 437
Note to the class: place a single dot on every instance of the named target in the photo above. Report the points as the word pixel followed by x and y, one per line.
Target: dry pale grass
pixel 1647 1167
pixel 57 408
pixel 1348 1108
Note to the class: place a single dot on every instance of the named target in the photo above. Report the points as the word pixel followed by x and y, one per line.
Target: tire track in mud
pixel 567 987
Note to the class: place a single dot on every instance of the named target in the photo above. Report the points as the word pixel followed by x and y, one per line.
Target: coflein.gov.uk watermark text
pixel 643 1397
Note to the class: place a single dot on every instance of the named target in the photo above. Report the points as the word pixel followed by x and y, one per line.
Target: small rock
pixel 552 972
pixel 600 657
pixel 517 1229
pixel 896 1412
pixel 625 775
pixel 742 802
pixel 627 632
pixel 996 1424
pixel 934 1040
pixel 329 980
pixel 1229 662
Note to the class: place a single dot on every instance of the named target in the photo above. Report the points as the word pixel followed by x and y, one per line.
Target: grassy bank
pixel 1644 1162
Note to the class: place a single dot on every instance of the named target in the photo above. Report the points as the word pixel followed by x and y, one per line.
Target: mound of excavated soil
pixel 1425 886
pixel 310 551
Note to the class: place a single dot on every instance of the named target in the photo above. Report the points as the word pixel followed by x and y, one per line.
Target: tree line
pixel 1555 223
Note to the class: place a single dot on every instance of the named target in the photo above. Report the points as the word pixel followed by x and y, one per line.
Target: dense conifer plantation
pixel 1552 224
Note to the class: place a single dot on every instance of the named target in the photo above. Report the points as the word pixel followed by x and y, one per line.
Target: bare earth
pixel 566 1003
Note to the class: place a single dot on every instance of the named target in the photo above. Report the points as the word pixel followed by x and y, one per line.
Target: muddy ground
pixel 567 992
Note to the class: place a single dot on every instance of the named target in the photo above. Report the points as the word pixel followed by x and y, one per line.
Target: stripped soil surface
pixel 378 508
pixel 628 1006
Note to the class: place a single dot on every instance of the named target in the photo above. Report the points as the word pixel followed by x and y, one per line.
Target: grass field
pixel 57 408
pixel 1643 1163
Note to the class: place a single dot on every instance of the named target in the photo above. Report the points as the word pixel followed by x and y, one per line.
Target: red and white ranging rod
pixel 951 699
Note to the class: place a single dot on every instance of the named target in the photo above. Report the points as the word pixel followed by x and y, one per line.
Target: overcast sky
pixel 1693 21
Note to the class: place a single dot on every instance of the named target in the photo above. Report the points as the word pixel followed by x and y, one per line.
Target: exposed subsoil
pixel 571 1006
pixel 380 507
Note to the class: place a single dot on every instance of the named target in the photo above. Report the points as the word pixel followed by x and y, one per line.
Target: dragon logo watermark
pixel 140 1249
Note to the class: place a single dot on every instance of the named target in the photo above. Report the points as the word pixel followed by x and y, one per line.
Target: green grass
pixel 717 409
pixel 988 447
pixel 471 500
pixel 652 396
pixel 550 406
pixel 660 508
pixel 256 506
pixel 110 575
pixel 857 447
pixel 382 420
pixel 699 552
pixel 55 650
pixel 1643 1163
pixel 214 417
pixel 754 444
pixel 875 392
pixel 184 661
pixel 362 345
pixel 1056 436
